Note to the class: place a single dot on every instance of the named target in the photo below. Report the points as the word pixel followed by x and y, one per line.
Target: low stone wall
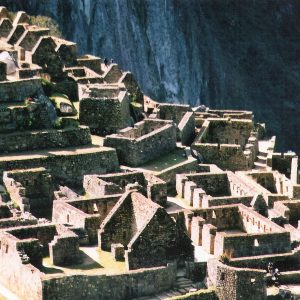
pixel 47 139
pixel 186 129
pixel 283 261
pixel 135 152
pixel 67 166
pixel 227 157
pixel 16 222
pixel 18 91
pixel 218 201
pixel 107 287
pixel 252 244
pixel 169 174
pixel 233 283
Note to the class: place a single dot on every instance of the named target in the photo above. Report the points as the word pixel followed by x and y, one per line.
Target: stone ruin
pixel 130 198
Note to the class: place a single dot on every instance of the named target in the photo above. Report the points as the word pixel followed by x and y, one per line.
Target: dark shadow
pixel 87 263
pixel 48 270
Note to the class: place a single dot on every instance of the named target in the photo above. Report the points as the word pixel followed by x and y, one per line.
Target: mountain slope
pixel 226 54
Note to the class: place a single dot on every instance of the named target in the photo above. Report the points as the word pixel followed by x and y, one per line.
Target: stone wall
pixel 214 184
pixel 24 279
pixel 282 162
pixel 105 115
pixel 186 129
pixel 290 210
pixel 157 190
pixel 222 217
pixel 18 91
pixel 30 38
pixel 227 157
pixel 91 62
pixel 44 55
pixel 132 86
pixel 31 187
pixel 16 33
pixel 161 234
pixel 169 174
pixel 253 222
pixel 135 152
pixel 242 245
pixel 91 186
pixel 233 283
pixel 5 27
pixel 219 201
pixel 47 139
pixel 283 261
pixel 112 74
pixel 106 287
pixel 67 166
pixel 17 222
pixel 173 112
pixel 120 227
pixel 65 250
pixel 43 233
pixel 2 71
pixel 227 131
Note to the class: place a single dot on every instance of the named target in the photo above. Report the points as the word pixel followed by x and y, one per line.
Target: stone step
pixel 261 159
pixel 182 291
pixel 162 296
pixel 183 279
pixel 263 153
pixel 184 286
pixel 259 166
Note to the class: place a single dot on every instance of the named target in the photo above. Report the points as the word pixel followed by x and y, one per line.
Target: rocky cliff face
pixel 225 54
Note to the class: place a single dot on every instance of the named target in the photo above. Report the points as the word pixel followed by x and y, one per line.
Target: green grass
pixel 166 161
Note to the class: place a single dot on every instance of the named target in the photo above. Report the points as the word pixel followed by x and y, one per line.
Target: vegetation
pixel 66 87
pixel 66 123
pixel 44 21
pixel 226 257
pixel 133 101
pixel 48 87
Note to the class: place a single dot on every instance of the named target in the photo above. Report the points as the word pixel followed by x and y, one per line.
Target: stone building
pixel 31 189
pixel 144 142
pixel 105 109
pixel 133 224
pixel 200 193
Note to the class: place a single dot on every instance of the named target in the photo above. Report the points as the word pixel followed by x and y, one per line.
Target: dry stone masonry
pixel 108 194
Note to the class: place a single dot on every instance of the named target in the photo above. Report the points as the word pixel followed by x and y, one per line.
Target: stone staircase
pixel 182 286
pixel 261 161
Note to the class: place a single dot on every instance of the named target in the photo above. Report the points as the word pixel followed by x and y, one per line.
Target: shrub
pixel 64 123
pixel 226 256
pixel 48 87
pixel 44 21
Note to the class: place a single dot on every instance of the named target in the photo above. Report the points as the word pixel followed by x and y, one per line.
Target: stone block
pixel 117 251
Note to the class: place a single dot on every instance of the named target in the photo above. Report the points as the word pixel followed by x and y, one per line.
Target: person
pixel 106 61
pixel 271 268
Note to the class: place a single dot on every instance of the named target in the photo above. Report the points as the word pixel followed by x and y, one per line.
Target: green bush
pixel 48 87
pixel 44 21
pixel 65 123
